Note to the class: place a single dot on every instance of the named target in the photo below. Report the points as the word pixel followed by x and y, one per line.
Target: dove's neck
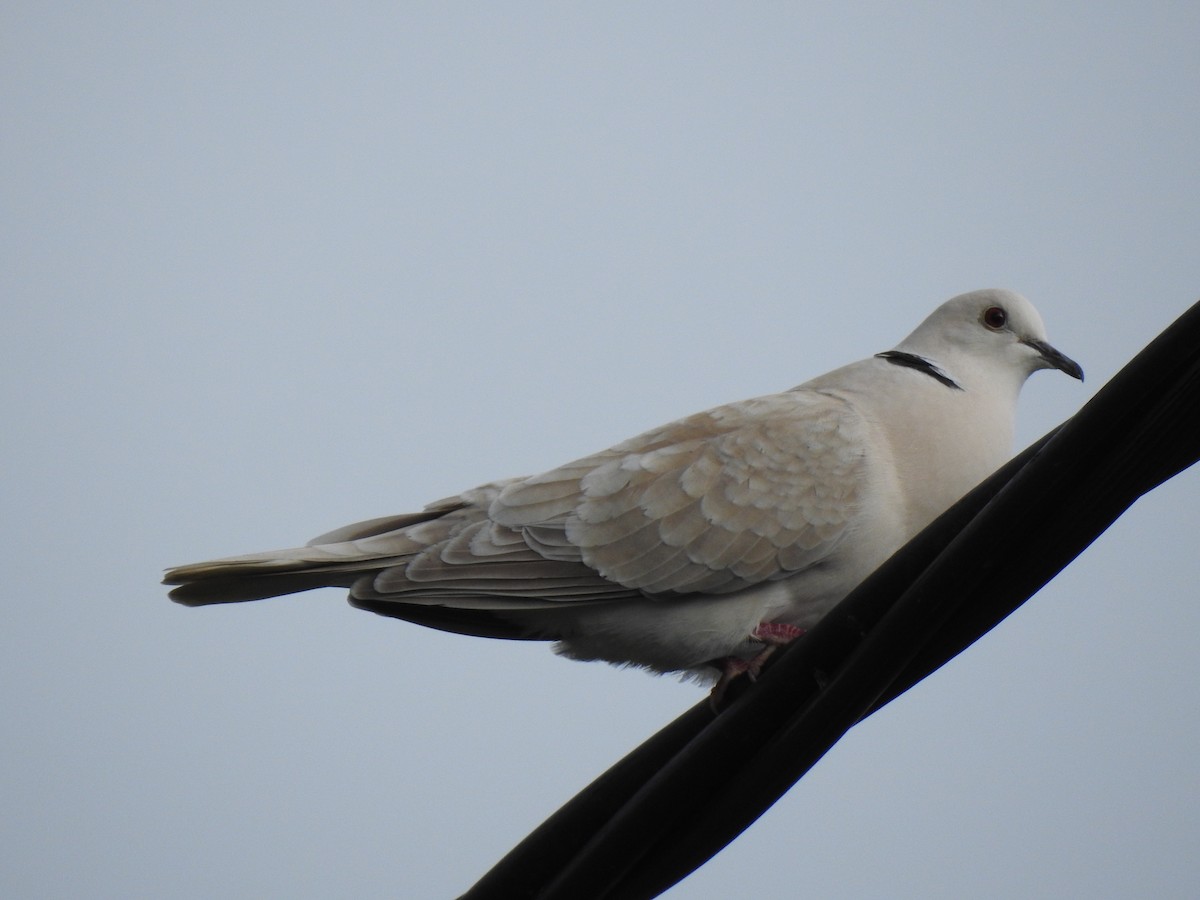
pixel 947 423
pixel 920 364
pixel 985 375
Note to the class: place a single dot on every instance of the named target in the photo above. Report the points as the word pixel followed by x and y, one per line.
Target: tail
pixel 337 559
pixel 263 575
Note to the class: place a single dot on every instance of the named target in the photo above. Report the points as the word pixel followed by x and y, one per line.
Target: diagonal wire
pixel 678 799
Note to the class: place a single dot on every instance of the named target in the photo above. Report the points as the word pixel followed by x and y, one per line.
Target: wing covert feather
pixel 727 498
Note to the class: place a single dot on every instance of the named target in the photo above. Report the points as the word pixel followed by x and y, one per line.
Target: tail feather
pixel 336 559
pixel 204 592
pixel 262 575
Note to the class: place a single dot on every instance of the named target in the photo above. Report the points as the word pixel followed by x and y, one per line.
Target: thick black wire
pixel 1067 495
pixel 683 795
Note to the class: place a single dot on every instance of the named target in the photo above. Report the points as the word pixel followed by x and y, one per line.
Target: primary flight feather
pixel 699 545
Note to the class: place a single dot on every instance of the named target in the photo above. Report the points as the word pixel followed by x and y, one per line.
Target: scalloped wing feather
pixel 745 493
pixel 716 502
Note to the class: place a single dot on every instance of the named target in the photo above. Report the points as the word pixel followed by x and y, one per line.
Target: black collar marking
pixel 921 364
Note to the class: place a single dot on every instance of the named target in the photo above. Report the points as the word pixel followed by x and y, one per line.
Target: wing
pixel 741 494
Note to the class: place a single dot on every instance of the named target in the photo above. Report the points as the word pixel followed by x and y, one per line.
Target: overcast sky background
pixel 274 268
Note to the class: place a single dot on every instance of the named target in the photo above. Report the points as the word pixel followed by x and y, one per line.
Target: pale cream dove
pixel 700 545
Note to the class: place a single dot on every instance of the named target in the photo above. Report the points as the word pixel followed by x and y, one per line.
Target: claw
pixel 774 635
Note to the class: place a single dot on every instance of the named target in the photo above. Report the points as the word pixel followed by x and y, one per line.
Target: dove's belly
pixel 688 633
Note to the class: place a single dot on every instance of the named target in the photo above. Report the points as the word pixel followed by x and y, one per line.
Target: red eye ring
pixel 994 317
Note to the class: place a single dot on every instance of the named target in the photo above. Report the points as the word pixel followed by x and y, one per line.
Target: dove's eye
pixel 995 318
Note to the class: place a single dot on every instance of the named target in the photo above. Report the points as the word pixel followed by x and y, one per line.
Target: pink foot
pixel 774 635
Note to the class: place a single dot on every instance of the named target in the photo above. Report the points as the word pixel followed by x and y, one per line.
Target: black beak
pixel 1056 360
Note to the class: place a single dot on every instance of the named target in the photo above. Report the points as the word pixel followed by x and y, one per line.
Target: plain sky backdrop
pixel 271 268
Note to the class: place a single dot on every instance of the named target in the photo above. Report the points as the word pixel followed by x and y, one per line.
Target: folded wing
pixel 714 503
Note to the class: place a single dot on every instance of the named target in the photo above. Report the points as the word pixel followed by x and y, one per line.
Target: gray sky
pixel 273 270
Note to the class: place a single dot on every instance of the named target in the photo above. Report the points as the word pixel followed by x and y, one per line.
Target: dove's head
pixel 991 334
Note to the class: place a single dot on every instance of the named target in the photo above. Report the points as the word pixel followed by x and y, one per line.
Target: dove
pixel 700 546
